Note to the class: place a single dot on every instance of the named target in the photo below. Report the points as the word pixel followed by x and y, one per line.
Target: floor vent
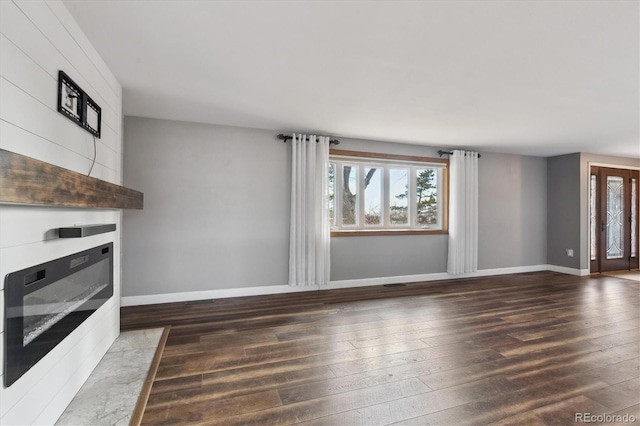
pixel 394 285
pixel 199 302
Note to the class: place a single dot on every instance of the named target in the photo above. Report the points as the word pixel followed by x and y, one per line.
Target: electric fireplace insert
pixel 46 302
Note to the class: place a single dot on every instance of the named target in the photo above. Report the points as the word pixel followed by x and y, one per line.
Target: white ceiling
pixel 528 77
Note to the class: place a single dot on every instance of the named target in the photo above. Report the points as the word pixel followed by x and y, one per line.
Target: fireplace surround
pixel 45 303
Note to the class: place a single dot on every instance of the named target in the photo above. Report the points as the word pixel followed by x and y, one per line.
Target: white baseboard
pixel 224 293
pixel 278 289
pixel 570 271
pixel 431 277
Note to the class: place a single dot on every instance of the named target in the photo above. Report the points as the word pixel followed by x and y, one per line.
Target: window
pixel 373 194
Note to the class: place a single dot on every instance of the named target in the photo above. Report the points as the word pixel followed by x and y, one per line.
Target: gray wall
pixel 204 186
pixel 563 213
pixel 387 256
pixel 215 212
pixel 512 211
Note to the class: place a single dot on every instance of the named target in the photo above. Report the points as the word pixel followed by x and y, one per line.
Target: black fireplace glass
pixel 48 305
pixel 46 302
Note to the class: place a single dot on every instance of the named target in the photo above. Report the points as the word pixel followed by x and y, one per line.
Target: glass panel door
pixel 615 217
pixel 615 234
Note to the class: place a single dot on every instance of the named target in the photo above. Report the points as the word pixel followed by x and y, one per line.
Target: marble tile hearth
pixel 110 394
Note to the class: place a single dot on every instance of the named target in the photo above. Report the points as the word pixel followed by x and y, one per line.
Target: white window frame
pixel 385 165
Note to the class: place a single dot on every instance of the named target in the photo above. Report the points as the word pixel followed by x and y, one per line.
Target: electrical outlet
pixel 569 252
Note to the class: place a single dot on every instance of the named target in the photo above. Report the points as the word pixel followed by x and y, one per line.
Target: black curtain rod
pixel 285 138
pixel 441 153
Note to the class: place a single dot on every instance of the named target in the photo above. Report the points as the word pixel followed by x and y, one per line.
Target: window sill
pixel 380 232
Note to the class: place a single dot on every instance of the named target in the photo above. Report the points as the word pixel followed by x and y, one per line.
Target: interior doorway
pixel 613 219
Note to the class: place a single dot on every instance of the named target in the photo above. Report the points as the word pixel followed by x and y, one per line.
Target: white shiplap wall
pixel 38 38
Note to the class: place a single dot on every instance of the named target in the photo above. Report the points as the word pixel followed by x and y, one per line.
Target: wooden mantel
pixel 24 180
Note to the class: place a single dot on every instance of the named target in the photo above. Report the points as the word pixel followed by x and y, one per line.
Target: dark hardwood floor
pixel 533 348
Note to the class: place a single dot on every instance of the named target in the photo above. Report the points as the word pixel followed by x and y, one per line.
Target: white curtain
pixel 463 212
pixel 309 260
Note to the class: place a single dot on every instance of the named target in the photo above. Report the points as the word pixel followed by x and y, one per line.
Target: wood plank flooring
pixel 533 348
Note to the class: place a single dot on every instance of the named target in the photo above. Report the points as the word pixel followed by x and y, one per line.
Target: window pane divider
pixel 412 201
pixel 385 198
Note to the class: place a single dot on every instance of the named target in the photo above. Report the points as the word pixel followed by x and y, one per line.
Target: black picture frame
pixel 70 98
pixel 92 116
pixel 75 104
